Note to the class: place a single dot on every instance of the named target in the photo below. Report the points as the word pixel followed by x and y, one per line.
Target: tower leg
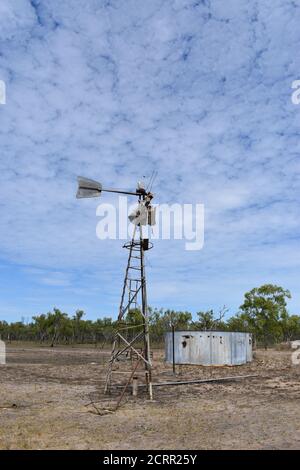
pixel 147 350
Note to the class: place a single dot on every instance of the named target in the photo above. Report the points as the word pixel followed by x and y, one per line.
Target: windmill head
pixel 143 214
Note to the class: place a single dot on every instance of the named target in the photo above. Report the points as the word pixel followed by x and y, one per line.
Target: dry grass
pixel 44 393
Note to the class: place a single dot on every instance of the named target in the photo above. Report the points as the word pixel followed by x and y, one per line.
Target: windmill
pixel 134 285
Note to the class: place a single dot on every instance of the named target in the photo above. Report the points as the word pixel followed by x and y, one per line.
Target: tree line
pixel 263 313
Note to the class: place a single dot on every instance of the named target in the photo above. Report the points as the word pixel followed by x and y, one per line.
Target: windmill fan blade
pixel 88 188
pixel 139 215
pixel 152 216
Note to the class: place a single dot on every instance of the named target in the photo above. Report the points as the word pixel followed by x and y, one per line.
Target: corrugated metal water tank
pixel 209 348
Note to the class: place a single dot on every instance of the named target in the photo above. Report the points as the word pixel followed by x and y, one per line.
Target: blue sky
pixel 112 89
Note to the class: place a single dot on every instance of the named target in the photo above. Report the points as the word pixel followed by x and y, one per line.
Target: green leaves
pixel 264 309
pixel 263 313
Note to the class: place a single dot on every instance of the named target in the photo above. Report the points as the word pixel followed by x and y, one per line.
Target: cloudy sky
pixel 199 90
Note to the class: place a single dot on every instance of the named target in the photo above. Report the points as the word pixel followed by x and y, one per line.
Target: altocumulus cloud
pixel 199 91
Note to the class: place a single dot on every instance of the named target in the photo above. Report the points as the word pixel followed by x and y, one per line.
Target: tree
pixel 77 325
pixel 134 317
pixel 40 326
pixel 180 320
pixel 263 313
pixel 239 323
pixel 290 326
pixel 161 321
pixel 208 320
pixel 103 330
pixel 55 324
pixel 4 330
pixel 263 308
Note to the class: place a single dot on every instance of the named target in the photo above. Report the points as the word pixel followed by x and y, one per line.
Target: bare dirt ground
pixel 44 395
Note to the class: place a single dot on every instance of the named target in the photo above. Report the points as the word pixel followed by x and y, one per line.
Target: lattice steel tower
pixel 134 294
